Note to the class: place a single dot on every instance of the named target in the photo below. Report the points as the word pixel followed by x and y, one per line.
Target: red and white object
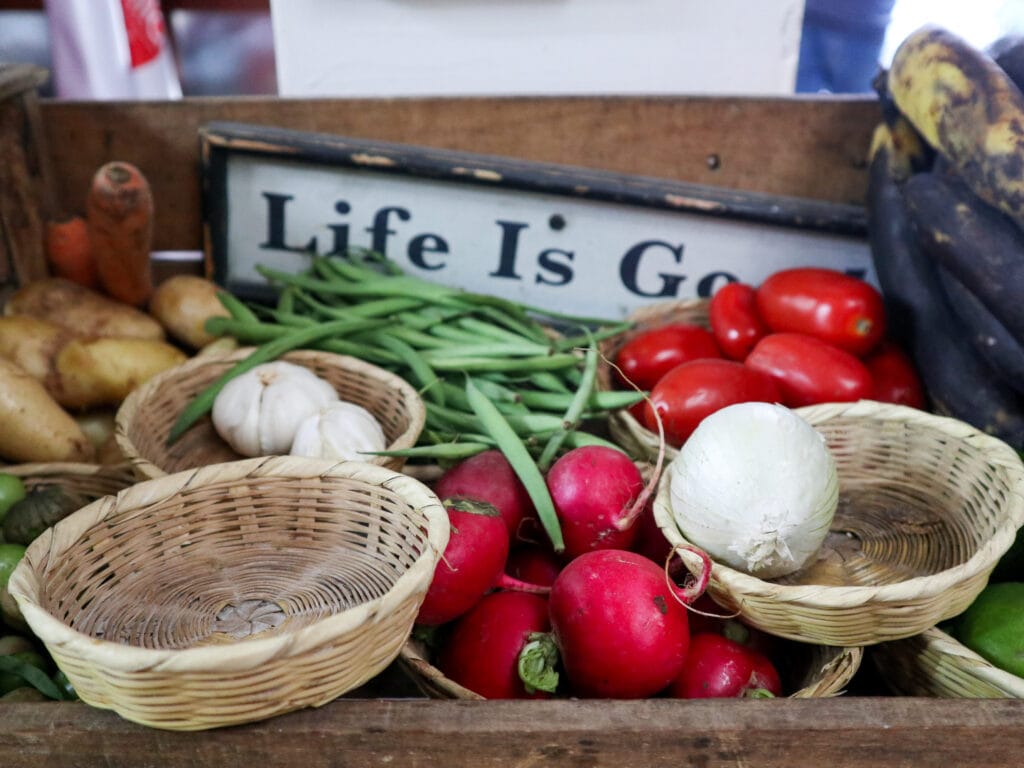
pixel 111 50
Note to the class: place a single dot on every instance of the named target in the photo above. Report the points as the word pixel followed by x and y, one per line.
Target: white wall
pixel 367 48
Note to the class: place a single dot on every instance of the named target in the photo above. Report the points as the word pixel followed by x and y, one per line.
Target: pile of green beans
pixel 492 373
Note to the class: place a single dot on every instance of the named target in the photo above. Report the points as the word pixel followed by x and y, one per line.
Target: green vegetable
pixel 12 490
pixel 42 508
pixel 993 626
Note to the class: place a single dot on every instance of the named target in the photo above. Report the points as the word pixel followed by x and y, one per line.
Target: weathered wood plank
pixel 861 732
pixel 772 145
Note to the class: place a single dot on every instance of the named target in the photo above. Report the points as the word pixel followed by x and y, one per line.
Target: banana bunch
pixel 946 223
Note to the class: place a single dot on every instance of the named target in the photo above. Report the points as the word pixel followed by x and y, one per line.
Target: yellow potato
pixel 79 309
pixel 33 427
pixel 32 343
pixel 182 304
pixel 94 372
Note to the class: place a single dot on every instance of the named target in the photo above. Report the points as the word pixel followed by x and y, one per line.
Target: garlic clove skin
pixel 756 487
pixel 257 412
pixel 341 430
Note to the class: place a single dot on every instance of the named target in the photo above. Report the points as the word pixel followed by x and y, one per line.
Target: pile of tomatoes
pixel 804 336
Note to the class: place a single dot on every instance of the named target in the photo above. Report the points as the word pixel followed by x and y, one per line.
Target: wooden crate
pixel 808 147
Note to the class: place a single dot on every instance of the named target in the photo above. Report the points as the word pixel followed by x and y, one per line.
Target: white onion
pixel 755 486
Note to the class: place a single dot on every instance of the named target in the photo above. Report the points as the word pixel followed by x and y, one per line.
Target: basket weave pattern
pixel 928 505
pixel 145 418
pixel 235 592
pixel 935 664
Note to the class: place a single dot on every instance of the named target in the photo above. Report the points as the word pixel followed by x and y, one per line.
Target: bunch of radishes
pixel 510 617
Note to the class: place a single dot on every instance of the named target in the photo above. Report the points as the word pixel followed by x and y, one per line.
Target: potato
pixel 182 304
pixel 94 372
pixel 84 311
pixel 34 426
pixel 83 373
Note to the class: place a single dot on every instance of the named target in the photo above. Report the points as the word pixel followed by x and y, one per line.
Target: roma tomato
pixel 833 306
pixel 895 377
pixel 809 370
pixel 693 390
pixel 652 353
pixel 735 323
pixel 717 667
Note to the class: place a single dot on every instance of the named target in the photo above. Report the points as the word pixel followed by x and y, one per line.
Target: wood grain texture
pixel 858 732
pixel 772 145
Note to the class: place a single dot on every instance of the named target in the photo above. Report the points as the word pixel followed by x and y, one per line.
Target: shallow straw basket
pixel 807 671
pixel 935 664
pixel 632 436
pixel 144 419
pixel 90 481
pixel 235 592
pixel 927 506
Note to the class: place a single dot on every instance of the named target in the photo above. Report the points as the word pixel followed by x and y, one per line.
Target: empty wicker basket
pixel 927 506
pixel 145 418
pixel 234 592
pixel 807 671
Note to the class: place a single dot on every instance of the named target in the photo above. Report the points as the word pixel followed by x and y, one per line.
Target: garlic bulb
pixel 341 430
pixel 257 412
pixel 756 487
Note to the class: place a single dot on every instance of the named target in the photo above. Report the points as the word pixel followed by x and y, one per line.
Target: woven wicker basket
pixel 144 419
pixel 807 671
pixel 935 664
pixel 91 481
pixel 234 592
pixel 632 436
pixel 927 506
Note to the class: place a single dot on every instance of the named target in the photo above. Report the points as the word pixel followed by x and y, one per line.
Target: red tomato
pixel 735 323
pixel 809 370
pixel 717 667
pixel 896 379
pixel 652 353
pixel 693 390
pixel 835 307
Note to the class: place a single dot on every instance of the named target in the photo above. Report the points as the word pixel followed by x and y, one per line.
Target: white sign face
pixel 565 252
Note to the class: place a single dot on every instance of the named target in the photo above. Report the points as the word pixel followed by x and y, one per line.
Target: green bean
pixel 475 364
pixel 519 457
pixel 582 340
pixel 494 349
pixel 286 300
pixel 292 339
pixel 488 330
pixel 573 412
pixel 578 439
pixel 236 307
pixel 549 382
pixel 418 367
pixel 610 400
pixel 448 450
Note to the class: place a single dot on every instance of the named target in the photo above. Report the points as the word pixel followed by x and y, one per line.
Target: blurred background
pixel 227 47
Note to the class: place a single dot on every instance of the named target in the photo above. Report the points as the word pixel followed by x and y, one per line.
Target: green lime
pixel 993 626
pixel 12 490
pixel 10 556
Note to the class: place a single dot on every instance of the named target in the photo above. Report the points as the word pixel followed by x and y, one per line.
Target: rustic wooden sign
pixel 563 238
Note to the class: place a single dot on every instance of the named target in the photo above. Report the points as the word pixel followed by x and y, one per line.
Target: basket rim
pixel 132 403
pixel 246 654
pixel 943 643
pixel 915 588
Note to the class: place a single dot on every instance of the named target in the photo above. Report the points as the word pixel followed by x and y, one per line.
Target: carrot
pixel 69 252
pixel 119 211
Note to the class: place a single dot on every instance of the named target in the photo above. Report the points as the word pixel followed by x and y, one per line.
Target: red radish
pixel 595 490
pixel 650 541
pixel 482 653
pixel 472 562
pixel 533 564
pixel 621 629
pixel 489 477
pixel 717 667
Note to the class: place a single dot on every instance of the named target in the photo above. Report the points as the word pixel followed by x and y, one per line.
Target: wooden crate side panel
pixel 805 147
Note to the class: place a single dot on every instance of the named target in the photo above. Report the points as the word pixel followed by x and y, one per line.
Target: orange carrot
pixel 119 211
pixel 69 252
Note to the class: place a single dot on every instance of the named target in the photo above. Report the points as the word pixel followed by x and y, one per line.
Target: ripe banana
pixel 968 109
